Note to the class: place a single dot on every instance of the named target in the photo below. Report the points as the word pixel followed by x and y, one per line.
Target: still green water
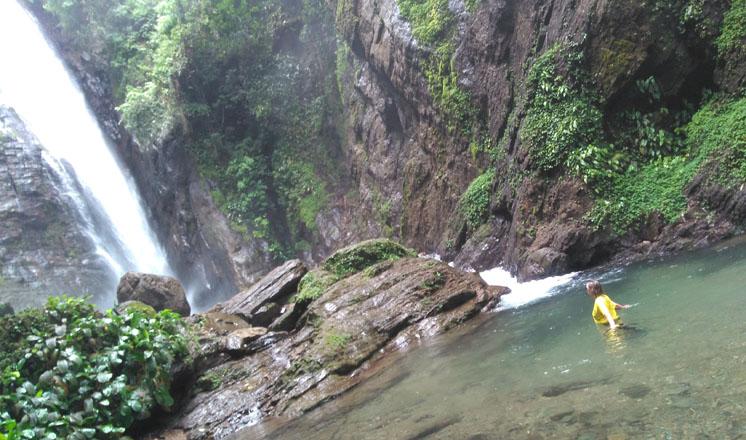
pixel 545 370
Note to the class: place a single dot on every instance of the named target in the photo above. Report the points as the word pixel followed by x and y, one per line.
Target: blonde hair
pixel 594 288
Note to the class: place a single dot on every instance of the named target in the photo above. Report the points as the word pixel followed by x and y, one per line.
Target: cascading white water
pixel 523 293
pixel 34 81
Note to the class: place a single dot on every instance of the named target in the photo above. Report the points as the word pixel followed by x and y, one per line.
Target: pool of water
pixel 545 370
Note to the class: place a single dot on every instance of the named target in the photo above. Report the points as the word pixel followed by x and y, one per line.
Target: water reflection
pixel 617 341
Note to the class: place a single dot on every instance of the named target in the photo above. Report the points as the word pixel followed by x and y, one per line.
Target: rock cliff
pixel 401 145
pixel 44 248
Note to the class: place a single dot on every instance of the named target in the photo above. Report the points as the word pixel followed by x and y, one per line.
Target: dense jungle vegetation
pixel 635 161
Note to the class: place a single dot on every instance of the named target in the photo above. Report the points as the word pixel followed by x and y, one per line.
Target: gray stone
pixel 290 313
pixel 277 286
pixel 266 314
pixel 159 291
pixel 237 340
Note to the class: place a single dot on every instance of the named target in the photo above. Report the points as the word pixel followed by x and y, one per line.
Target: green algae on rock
pixel 357 257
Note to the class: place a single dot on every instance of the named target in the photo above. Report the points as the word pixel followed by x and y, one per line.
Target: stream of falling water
pixel 34 82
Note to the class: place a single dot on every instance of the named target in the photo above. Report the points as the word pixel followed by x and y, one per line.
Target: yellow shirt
pixel 598 316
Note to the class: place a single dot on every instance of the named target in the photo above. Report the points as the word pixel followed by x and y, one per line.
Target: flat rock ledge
pixel 246 373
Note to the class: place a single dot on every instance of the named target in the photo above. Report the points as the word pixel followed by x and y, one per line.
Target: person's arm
pixel 619 306
pixel 607 314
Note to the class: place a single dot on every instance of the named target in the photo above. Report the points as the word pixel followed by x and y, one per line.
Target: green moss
pixel 310 206
pixel 376 269
pixel 475 202
pixel 355 258
pixel 616 60
pixel 471 5
pixel 215 378
pixel 338 340
pixel 218 198
pixel 313 284
pixel 345 18
pixel 433 25
pixel 301 366
pixel 431 285
pixel 383 214
pixel 136 307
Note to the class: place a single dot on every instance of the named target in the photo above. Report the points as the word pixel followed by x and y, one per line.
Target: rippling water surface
pixel 545 370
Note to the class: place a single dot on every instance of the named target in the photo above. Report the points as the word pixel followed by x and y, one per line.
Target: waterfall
pixel 35 82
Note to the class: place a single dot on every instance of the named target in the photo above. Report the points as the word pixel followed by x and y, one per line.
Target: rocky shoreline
pixel 276 351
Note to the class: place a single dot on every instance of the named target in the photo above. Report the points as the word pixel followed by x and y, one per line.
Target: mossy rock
pixel 617 61
pixel 6 309
pixel 128 307
pixel 313 284
pixel 357 257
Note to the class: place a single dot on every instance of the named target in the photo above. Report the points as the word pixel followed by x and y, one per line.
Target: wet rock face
pixel 402 150
pixel 43 247
pixel 265 295
pixel 158 291
pixel 376 310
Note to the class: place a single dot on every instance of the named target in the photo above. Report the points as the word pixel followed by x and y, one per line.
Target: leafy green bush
pixel 657 187
pixel 716 138
pixel 716 148
pixel 475 202
pixel 563 113
pixel 71 372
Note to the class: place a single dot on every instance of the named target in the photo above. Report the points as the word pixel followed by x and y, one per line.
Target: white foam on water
pixel 523 293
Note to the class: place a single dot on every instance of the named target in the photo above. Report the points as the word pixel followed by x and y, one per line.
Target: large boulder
pixel 346 334
pixel 275 288
pixel 158 291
